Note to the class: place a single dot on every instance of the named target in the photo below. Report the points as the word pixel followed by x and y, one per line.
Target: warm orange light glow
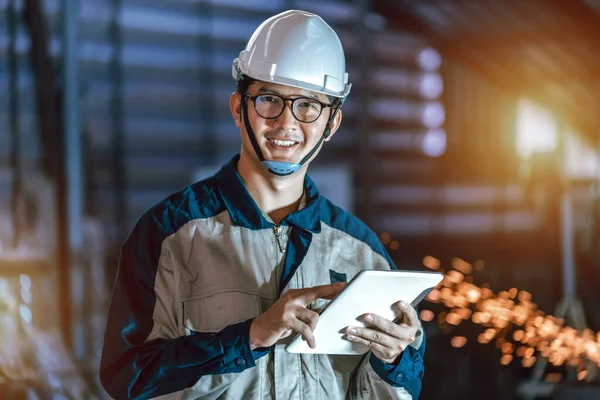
pixel 528 362
pixel 455 277
pixel 473 295
pixel 431 263
pixel 385 238
pixel 462 266
pixel 529 352
pixel 483 339
pixel 553 377
pixel 511 320
pixel 442 317
pixel 465 313
pixel 479 265
pixel 512 309
pixel 507 348
pixel 434 296
pixel 427 315
pixel 489 334
pixel 524 296
pixel 458 341
pixel 537 129
pixel 453 319
pixel 506 359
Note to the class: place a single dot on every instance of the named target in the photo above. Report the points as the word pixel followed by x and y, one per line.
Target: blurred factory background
pixel 470 139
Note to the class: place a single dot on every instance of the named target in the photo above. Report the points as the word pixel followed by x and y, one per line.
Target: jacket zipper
pixel 277 231
pixel 280 247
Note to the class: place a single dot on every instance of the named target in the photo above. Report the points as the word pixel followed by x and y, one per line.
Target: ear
pixel 235 106
pixel 337 121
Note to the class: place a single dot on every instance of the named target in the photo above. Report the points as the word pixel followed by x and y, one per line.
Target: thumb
pixel 285 334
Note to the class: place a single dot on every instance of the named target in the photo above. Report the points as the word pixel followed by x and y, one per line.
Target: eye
pixel 269 99
pixel 308 104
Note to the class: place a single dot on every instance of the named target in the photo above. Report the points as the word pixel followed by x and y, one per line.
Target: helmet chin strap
pixel 283 168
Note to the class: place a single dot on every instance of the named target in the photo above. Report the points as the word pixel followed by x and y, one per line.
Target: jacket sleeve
pixel 144 355
pixel 373 379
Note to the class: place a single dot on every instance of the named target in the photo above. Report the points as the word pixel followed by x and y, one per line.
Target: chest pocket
pixel 214 312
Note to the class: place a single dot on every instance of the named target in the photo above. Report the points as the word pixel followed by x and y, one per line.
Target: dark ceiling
pixel 548 50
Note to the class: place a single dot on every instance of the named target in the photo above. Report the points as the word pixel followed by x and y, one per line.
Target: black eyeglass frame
pixel 292 100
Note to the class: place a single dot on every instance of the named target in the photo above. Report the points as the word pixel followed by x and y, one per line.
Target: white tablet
pixel 369 291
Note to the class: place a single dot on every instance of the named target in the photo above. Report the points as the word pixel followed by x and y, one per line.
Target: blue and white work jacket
pixel 201 264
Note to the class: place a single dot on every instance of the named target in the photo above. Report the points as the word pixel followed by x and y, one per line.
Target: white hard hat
pixel 296 48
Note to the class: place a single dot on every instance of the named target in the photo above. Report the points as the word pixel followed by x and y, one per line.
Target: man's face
pixel 283 138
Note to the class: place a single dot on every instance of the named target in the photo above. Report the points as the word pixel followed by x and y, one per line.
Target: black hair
pixel 244 83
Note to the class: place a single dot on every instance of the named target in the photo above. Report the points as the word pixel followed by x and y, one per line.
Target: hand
pixel 387 339
pixel 289 314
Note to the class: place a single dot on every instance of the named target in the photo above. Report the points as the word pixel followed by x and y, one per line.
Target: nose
pixel 286 121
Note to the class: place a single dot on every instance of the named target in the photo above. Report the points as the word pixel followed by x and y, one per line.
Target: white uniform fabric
pixel 179 320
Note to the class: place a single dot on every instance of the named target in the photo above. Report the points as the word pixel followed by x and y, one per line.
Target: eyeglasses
pixel 271 106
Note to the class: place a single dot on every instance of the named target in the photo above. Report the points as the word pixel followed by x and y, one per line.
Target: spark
pixel 535 335
pixel 505 312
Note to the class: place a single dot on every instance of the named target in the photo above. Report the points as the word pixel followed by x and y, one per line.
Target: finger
pixel 286 333
pixel 372 336
pixel 307 316
pixel 303 329
pixel 308 295
pixel 380 350
pixel 382 324
pixel 409 314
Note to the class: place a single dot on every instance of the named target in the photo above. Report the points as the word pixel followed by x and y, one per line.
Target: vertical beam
pixel 14 126
pixel 71 114
pixel 208 114
pixel 364 169
pixel 567 223
pixel 568 246
pixel 50 126
pixel 119 176
pixel 73 166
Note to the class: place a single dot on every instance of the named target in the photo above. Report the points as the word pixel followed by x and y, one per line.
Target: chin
pixel 279 157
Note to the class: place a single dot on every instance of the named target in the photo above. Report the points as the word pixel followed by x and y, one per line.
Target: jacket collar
pixel 244 211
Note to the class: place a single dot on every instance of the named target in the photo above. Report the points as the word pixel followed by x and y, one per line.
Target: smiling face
pixel 283 138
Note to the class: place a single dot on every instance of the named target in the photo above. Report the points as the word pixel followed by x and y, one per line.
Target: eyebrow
pixel 273 91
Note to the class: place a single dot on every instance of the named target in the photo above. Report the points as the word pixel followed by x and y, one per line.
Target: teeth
pixel 285 143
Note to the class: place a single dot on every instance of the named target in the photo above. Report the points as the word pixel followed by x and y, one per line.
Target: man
pixel 215 280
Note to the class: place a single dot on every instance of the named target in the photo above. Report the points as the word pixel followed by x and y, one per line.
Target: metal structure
pixel 544 49
pixel 145 100
pixel 51 124
pixel 155 95
pixel 148 95
pixel 569 307
pixel 73 171
pixel 13 112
